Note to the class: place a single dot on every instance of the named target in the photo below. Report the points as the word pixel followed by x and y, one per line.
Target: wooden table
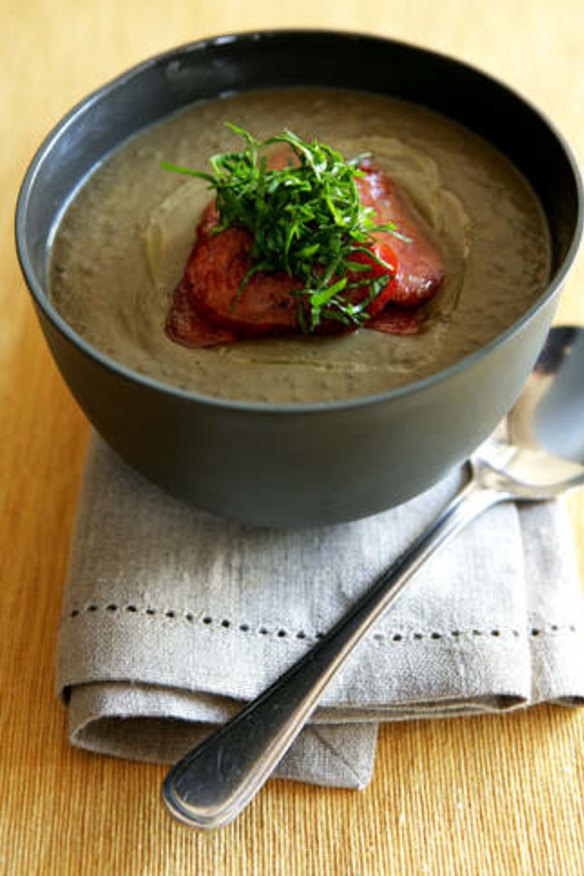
pixel 498 795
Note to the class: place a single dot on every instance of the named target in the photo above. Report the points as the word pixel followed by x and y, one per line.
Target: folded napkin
pixel 173 618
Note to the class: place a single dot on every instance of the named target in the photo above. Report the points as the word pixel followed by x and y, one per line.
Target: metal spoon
pixel 537 453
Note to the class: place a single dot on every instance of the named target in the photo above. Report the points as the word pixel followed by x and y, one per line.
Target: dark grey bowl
pixel 297 465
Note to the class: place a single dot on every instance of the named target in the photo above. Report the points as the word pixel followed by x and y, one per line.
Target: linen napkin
pixel 174 617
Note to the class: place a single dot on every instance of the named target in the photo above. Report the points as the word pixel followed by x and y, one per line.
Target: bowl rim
pixel 43 301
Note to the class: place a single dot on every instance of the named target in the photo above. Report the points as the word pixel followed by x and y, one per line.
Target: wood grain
pixel 482 795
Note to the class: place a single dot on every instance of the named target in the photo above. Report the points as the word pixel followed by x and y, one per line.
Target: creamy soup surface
pixel 123 242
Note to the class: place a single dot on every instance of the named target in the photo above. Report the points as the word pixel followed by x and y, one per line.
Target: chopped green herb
pixel 306 219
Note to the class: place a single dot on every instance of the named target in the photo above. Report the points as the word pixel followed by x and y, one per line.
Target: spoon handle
pixel 214 782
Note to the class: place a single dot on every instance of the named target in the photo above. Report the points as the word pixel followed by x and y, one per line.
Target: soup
pixel 122 244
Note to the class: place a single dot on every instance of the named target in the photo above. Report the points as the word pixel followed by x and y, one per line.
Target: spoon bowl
pixel 536 454
pixel 538 451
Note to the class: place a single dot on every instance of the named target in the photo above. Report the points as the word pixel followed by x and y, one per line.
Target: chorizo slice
pixel 421 269
pixel 229 296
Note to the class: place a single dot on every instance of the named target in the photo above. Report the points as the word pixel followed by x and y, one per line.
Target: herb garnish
pixel 305 218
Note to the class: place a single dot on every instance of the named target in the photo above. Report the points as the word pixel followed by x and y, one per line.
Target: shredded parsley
pixel 305 218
